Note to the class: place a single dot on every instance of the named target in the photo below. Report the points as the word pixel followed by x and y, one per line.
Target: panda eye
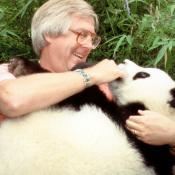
pixel 141 75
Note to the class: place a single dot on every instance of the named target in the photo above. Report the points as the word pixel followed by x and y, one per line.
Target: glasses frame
pixel 93 36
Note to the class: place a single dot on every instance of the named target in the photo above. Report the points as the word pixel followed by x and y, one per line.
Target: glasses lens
pixel 96 41
pixel 85 37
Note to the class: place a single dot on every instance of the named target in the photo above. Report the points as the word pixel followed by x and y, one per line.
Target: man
pixel 63 35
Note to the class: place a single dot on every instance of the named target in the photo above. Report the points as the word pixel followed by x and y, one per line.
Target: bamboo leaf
pixel 172 9
pixel 132 1
pixel 119 43
pixel 7 32
pixel 170 45
pixel 24 9
pixel 112 39
pixel 161 54
pixel 1 13
pixel 158 44
pixel 129 40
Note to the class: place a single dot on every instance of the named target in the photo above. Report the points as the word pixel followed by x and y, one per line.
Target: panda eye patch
pixel 141 75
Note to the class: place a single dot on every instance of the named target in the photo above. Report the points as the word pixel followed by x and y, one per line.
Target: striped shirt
pixel 4 73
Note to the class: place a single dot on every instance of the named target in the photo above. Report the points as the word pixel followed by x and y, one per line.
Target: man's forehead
pixel 82 23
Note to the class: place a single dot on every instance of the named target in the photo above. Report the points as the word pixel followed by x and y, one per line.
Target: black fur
pixel 20 67
pixel 172 102
pixel 141 75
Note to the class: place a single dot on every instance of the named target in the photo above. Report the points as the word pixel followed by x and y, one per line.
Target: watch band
pixel 86 77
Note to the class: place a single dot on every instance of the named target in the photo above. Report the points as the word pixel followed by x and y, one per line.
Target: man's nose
pixel 88 43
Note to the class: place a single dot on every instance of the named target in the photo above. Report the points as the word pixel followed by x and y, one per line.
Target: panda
pixel 86 134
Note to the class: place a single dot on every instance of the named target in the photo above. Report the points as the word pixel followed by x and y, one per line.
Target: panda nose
pixel 119 80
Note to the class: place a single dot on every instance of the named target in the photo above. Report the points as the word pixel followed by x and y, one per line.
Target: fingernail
pixel 140 111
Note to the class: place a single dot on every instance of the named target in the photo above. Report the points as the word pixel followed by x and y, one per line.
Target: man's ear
pixel 48 38
pixel 172 102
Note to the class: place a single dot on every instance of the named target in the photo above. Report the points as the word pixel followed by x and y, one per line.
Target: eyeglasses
pixel 83 37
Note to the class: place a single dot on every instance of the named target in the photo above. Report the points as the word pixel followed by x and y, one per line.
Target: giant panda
pixel 86 135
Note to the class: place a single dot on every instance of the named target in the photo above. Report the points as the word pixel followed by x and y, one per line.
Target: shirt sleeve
pixel 4 73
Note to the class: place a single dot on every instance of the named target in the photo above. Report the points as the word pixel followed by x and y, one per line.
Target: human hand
pixel 104 72
pixel 152 128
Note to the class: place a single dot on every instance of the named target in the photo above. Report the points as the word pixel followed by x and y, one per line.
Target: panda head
pixel 151 87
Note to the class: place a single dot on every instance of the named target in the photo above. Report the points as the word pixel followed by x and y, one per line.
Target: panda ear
pixel 172 102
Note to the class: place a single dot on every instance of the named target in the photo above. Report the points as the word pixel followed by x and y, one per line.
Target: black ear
pixel 172 102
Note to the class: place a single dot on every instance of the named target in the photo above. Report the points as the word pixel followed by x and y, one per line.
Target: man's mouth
pixel 79 55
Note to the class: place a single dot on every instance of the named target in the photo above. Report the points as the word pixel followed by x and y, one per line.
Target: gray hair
pixel 54 18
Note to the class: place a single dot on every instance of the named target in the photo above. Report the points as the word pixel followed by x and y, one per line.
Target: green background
pixel 140 30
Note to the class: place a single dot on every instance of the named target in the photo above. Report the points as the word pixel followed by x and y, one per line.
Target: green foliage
pixel 141 30
pixel 15 21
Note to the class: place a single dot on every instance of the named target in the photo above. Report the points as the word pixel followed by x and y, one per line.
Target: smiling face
pixel 64 52
pixel 149 86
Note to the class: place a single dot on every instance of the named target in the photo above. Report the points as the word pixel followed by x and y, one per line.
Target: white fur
pixel 66 142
